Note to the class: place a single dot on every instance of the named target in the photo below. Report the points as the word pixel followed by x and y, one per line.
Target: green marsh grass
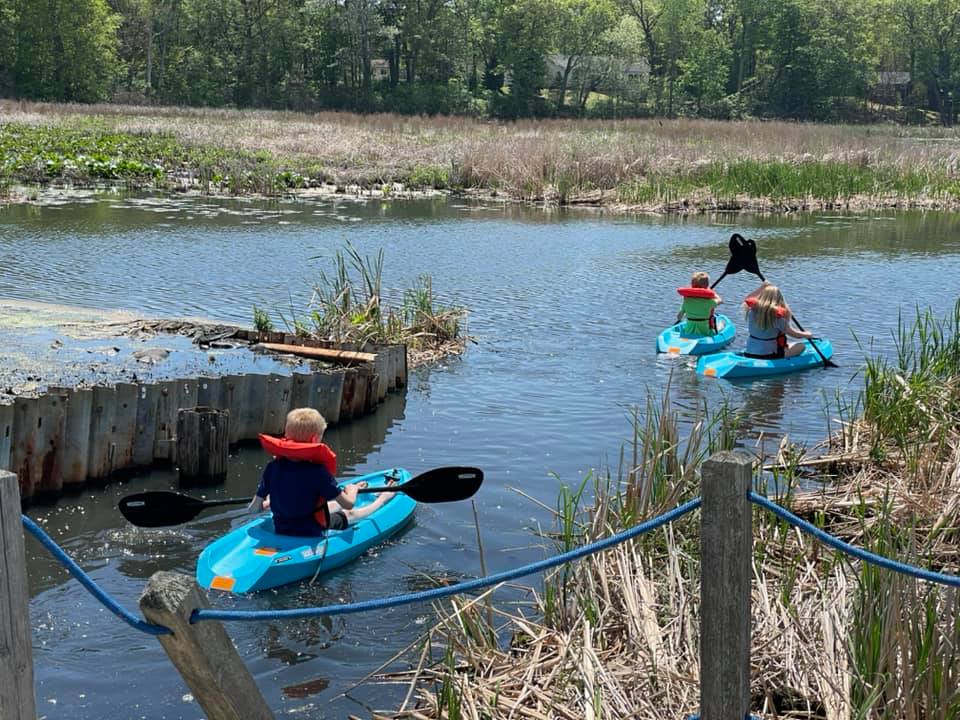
pixel 348 306
pixel 616 634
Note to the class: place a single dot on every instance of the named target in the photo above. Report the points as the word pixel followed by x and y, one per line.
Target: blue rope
pixel 85 580
pixel 840 545
pixel 423 595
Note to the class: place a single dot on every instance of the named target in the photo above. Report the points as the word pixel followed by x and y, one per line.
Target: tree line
pixel 803 59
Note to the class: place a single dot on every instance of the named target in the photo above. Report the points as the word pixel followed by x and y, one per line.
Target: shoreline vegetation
pixel 639 166
pixel 615 635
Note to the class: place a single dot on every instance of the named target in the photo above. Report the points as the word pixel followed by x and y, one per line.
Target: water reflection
pixel 565 309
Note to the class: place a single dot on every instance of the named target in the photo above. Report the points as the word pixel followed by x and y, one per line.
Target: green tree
pixel 66 50
pixel 8 46
pixel 582 32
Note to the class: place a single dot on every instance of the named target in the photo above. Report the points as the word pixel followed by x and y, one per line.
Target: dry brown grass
pixel 543 160
pixel 615 635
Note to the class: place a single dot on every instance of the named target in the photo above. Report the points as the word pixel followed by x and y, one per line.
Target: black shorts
pixel 338 520
pixel 778 355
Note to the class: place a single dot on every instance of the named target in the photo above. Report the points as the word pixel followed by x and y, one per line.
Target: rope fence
pixel 178 613
pixel 479 583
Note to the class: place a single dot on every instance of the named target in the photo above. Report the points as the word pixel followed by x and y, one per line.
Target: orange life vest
pixel 304 452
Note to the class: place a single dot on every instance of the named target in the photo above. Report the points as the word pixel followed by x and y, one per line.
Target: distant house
pixel 380 69
pixel 892 86
pixel 609 69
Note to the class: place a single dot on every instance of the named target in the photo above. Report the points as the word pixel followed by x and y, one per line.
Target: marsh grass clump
pixel 347 306
pixel 616 634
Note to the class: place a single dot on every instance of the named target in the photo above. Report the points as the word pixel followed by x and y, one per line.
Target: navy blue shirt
pixel 295 487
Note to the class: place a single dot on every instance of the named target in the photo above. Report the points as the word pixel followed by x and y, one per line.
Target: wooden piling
pixel 166 428
pixel 17 699
pixel 102 414
pixel 203 435
pixel 148 396
pixel 6 434
pixel 202 652
pixel 26 415
pixel 726 550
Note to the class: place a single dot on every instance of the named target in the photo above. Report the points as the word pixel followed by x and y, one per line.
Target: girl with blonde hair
pixel 768 325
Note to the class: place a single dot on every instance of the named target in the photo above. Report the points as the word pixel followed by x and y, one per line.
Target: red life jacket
pixel 781 311
pixel 304 452
pixel 695 292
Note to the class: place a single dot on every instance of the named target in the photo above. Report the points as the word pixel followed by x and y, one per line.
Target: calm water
pixel 564 309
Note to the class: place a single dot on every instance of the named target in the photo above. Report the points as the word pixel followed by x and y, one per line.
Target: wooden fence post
pixel 203 653
pixel 726 552
pixel 17 700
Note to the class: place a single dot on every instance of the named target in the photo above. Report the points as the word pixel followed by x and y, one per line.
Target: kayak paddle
pixel 744 252
pixel 161 508
pixel 743 256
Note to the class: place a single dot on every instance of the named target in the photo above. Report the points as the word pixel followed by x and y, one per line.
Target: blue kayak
pixel 253 557
pixel 671 341
pixel 735 365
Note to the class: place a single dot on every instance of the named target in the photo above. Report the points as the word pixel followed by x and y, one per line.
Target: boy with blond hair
pixel 298 484
pixel 699 302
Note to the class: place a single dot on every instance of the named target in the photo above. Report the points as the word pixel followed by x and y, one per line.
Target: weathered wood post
pixel 203 438
pixel 17 701
pixel 203 653
pixel 726 548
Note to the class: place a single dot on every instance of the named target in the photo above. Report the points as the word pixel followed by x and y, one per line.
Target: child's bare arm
pixel 256 504
pixel 347 497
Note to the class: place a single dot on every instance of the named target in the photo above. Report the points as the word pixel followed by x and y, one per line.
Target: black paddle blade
pixel 743 255
pixel 160 508
pixel 443 484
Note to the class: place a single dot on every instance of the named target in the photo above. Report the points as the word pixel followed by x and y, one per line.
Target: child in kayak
pixel 768 325
pixel 699 302
pixel 298 485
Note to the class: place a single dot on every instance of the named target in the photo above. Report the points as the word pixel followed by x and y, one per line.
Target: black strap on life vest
pixel 781 339
pixel 321 514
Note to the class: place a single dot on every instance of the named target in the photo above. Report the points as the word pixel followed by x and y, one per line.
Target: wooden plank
pixel 347 394
pixel 234 389
pixel 166 427
pixel 26 415
pixel 17 700
pixel 148 396
pixel 202 652
pixel 48 460
pixel 279 390
pixel 252 407
pixel 102 414
pixel 726 550
pixel 381 369
pixel 125 426
pixel 300 390
pixel 210 393
pixel 6 434
pixel 76 435
pixel 329 354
